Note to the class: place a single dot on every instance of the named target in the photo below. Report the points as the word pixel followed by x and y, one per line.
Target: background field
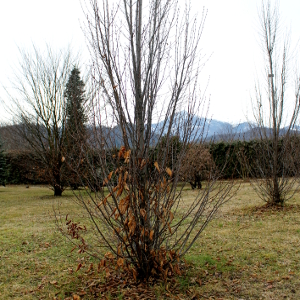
pixel 246 252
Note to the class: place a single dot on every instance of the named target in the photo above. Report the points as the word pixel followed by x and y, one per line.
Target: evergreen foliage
pixel 75 125
pixel 75 96
pixel 3 169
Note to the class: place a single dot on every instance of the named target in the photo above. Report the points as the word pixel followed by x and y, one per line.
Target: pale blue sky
pixel 230 36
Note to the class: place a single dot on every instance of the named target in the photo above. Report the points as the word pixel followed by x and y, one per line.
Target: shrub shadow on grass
pixel 265 209
pixel 52 197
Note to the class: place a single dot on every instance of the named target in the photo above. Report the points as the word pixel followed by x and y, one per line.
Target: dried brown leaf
pixel 121 152
pixel 120 191
pixel 127 156
pixel 91 267
pixel 143 212
pixel 78 267
pixel 110 175
pixel 126 187
pixel 171 216
pixel 125 176
pixel 151 235
pixel 107 272
pixel 120 262
pixel 134 273
pixel 109 255
pixel 124 204
pixel 169 172
pixel 73 248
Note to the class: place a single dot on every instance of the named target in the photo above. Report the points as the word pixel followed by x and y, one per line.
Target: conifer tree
pixel 2 165
pixel 75 129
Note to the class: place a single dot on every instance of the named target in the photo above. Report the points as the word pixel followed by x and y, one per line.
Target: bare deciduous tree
pixel 40 109
pixel 275 168
pixel 146 61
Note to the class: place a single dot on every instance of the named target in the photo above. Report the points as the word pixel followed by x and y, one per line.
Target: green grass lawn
pixel 246 252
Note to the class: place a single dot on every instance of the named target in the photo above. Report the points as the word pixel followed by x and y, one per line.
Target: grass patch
pixel 246 252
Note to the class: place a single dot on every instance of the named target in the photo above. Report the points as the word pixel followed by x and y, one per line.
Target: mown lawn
pixel 246 252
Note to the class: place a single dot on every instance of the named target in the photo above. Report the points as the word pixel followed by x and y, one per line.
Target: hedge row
pixel 22 167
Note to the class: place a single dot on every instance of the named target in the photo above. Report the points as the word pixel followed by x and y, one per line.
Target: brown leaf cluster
pixel 73 230
pixel 116 284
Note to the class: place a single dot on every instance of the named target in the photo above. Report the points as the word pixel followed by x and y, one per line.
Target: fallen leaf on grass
pixel 235 281
pixel 107 272
pixel 90 268
pixel 53 282
pixel 81 293
pixel 78 267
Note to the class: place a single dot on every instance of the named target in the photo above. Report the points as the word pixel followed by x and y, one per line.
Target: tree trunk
pixel 276 200
pixel 57 183
pixel 57 190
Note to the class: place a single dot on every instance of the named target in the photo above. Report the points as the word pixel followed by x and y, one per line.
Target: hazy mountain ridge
pixel 214 130
pixel 211 128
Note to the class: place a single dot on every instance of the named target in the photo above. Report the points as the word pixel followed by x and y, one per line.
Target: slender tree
pixel 147 61
pixel 275 169
pixel 75 126
pixel 3 169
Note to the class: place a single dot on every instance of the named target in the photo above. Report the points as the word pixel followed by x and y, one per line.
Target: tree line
pixel 24 167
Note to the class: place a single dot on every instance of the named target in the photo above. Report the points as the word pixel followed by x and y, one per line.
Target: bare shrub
pixel 146 63
pixel 274 169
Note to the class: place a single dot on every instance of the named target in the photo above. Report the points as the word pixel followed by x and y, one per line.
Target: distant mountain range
pixel 213 129
pixel 210 129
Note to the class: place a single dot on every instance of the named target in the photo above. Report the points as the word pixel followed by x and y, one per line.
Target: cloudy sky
pixel 230 38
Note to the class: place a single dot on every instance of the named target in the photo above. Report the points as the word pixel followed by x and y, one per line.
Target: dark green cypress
pixel 75 95
pixel 75 125
pixel 3 169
